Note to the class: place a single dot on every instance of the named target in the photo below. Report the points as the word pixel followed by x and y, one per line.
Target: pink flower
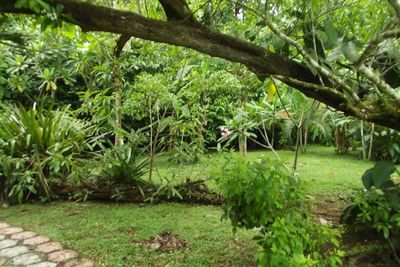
pixel 225 132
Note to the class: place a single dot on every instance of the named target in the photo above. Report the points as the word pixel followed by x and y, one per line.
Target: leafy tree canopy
pixel 343 53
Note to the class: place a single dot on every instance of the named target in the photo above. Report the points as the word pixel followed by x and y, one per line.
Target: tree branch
pixel 178 31
pixel 177 10
pixel 122 40
pixel 374 44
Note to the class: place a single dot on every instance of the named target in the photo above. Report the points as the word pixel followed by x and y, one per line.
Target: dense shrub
pixel 386 144
pixel 125 165
pixel 295 240
pixel 258 192
pixel 36 144
pixel 264 195
pixel 378 206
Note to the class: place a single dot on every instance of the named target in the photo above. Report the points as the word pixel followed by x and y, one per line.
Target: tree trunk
pixel 305 139
pixel 151 146
pixel 297 149
pixel 363 141
pixel 371 141
pixel 118 103
pixel 122 40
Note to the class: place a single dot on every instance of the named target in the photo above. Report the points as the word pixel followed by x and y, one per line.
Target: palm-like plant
pixel 36 144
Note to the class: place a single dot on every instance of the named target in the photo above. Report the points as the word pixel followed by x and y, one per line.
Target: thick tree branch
pixel 177 10
pixel 178 31
pixel 122 40
pixel 380 84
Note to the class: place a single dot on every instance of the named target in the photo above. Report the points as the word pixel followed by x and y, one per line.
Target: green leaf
pixel 367 179
pixel 381 172
pixel 331 33
pixel 322 36
pixel 349 50
pixel 394 200
pixel 183 72
pixel 386 232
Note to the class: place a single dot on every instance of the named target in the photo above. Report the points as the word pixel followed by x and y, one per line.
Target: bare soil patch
pixel 165 242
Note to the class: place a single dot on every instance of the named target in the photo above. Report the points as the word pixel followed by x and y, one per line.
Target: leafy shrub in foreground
pixel 258 192
pixel 264 195
pixel 386 144
pixel 295 240
pixel 378 206
pixel 36 144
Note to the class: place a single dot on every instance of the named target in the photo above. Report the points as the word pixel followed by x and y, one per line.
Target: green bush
pixel 258 192
pixel 263 195
pixel 386 144
pixel 36 144
pixel 295 240
pixel 126 165
pixel 378 206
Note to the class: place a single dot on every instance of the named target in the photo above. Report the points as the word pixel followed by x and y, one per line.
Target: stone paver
pixel 25 248
pixel 26 259
pixel 13 251
pixel 35 241
pixel 81 263
pixel 23 235
pixel 10 230
pixel 49 247
pixel 44 264
pixel 2 262
pixel 6 243
pixel 4 225
pixel 62 256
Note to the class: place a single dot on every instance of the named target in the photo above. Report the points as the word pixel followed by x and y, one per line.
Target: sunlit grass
pixel 320 167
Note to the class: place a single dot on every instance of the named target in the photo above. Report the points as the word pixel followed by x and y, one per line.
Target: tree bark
pixel 118 103
pixel 371 141
pixel 122 40
pixel 182 29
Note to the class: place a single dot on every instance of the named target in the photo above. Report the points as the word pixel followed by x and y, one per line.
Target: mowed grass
pixel 322 170
pixel 112 234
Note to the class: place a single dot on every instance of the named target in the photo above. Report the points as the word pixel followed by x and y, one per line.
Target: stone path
pixel 25 248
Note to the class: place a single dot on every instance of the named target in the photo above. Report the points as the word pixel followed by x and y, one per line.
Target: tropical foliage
pixel 88 105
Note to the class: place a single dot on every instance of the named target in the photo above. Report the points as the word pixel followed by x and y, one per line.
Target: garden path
pixel 24 248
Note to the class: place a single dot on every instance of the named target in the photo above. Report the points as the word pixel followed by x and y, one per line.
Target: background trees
pixel 101 106
pixel 339 66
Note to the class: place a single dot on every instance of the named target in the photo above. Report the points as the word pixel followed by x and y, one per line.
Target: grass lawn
pixel 112 234
pixel 321 168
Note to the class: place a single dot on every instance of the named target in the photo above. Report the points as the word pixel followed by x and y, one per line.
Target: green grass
pixel 321 169
pixel 111 234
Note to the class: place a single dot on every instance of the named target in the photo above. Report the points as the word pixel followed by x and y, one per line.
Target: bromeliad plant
pixel 126 165
pixel 263 195
pixel 36 144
